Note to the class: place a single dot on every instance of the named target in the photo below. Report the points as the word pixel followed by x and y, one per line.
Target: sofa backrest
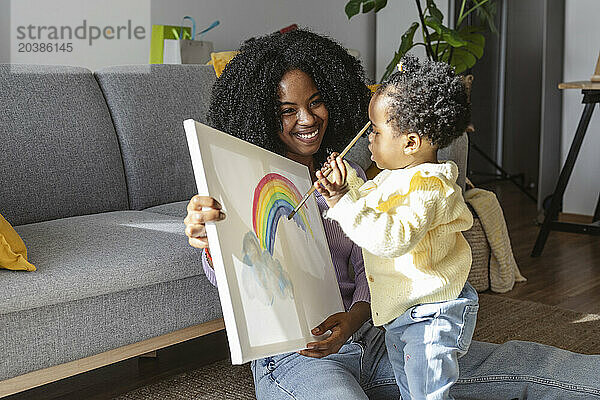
pixel 148 105
pixel 59 154
pixel 458 152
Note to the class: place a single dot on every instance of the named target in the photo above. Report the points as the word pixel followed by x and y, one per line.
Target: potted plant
pixel 460 46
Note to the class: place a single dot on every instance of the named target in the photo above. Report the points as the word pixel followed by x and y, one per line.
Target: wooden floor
pixel 566 275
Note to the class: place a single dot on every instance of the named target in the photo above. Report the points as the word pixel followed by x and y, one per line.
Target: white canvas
pixel 275 276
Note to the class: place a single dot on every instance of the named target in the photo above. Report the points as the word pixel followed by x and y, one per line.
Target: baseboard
pixel 51 374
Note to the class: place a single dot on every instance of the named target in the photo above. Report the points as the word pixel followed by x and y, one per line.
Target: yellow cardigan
pixel 408 223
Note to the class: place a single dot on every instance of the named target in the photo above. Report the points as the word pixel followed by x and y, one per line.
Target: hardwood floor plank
pixel 567 274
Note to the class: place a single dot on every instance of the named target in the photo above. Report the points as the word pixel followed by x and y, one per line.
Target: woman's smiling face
pixel 303 114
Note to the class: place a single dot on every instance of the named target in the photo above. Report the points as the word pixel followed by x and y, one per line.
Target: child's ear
pixel 413 142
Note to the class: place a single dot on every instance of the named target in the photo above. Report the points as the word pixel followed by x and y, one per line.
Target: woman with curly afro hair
pixel 248 100
pixel 303 96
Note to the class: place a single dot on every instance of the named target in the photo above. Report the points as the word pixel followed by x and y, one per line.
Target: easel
pixel 591 96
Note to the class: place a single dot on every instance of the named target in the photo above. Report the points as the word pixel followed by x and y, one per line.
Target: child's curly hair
pixel 428 98
pixel 244 98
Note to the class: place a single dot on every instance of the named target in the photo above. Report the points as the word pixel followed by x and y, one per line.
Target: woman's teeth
pixel 308 135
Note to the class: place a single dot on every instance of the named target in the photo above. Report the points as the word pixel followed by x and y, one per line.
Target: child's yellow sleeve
pixel 352 179
pixel 388 230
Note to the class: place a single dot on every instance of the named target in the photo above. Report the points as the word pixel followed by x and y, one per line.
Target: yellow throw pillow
pixel 13 253
pixel 219 60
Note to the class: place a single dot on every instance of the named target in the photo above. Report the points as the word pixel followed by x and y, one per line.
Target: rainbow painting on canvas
pixel 275 196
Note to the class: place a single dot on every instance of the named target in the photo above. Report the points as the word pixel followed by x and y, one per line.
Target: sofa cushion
pixel 177 209
pixel 148 105
pixel 92 255
pixel 360 153
pixel 60 154
pixel 50 335
pixel 457 152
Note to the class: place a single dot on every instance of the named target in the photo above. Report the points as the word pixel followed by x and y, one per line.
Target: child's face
pixel 387 147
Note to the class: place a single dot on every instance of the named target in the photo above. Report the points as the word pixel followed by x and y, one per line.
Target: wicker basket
pixel 479 276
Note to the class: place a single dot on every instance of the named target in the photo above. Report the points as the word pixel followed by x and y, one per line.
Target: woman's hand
pixel 332 190
pixel 196 218
pixel 342 326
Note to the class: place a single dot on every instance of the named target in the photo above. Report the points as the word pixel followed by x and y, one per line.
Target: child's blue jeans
pixel 425 342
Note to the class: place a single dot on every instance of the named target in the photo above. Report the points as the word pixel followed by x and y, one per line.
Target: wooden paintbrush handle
pixel 327 171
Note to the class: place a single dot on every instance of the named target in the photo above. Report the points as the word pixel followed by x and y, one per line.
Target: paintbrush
pixel 328 170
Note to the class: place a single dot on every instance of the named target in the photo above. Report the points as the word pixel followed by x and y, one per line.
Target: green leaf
pixel 487 13
pixel 443 33
pixel 434 37
pixel 442 48
pixel 471 29
pixel 462 59
pixel 434 11
pixel 352 8
pixel 368 6
pixel 477 51
pixel 475 38
pixel 407 39
pixel 379 4
pixel 453 38
pixel 434 23
pixel 475 42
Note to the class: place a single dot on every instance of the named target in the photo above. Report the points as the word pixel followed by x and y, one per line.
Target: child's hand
pixel 334 188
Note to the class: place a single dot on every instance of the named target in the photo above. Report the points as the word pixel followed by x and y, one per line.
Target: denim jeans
pixel 361 370
pixel 425 343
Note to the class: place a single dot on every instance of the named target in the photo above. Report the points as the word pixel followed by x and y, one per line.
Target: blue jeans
pixel 361 370
pixel 425 343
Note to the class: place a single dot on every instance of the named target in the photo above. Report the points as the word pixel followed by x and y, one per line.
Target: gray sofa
pixel 95 178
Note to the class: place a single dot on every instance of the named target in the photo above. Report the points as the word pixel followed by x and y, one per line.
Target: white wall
pixel 241 19
pixel 581 52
